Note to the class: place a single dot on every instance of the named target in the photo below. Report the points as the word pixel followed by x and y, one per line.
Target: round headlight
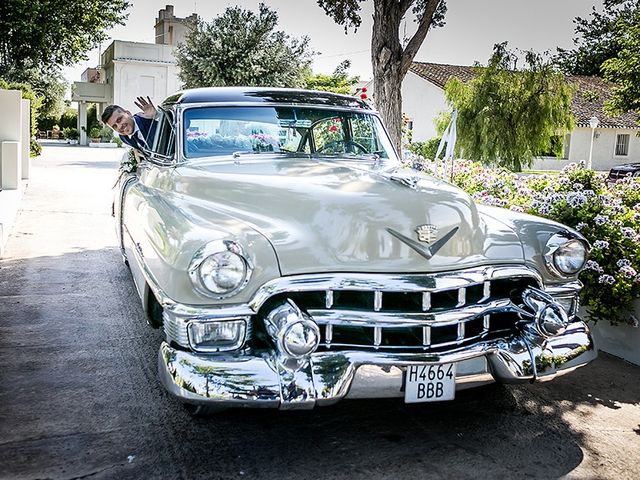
pixel 222 272
pixel 570 257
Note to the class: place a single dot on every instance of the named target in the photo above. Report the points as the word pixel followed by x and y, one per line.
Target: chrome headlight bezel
pixel 212 249
pixel 556 246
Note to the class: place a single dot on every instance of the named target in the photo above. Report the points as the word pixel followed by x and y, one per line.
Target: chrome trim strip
pixel 462 297
pixel 426 301
pixel 418 319
pixel 328 299
pixel 434 282
pixel 426 336
pixel 377 300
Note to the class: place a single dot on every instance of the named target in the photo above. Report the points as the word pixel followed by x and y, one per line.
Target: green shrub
pixel 69 119
pixel 426 149
pixel 94 132
pixel 70 133
pixel 106 134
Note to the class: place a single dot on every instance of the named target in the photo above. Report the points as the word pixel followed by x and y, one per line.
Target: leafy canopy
pixel 624 69
pixel 339 81
pixel 596 39
pixel 508 116
pixel 49 34
pixel 241 47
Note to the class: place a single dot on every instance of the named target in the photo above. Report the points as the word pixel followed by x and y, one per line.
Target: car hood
pixel 324 214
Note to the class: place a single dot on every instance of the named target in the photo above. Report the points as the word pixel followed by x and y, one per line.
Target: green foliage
pixel 595 41
pixel 624 69
pixel 347 12
pixel 92 118
pixel 106 134
pixel 95 132
pixel 70 133
pixel 241 47
pixel 507 117
pixel 339 81
pixel 47 34
pixel 69 118
pixel 35 148
pixel 426 149
pixel 608 215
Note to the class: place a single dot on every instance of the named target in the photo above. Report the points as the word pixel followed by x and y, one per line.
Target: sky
pixel 472 28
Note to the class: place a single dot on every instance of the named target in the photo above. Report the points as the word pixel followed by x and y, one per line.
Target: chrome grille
pixel 423 314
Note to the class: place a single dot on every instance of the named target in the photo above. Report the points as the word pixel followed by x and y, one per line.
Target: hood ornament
pixel 427 233
pixel 426 251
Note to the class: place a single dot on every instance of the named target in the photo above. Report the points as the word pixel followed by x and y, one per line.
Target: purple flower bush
pixel 607 215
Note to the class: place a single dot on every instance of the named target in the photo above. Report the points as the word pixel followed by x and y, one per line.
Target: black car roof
pixel 264 95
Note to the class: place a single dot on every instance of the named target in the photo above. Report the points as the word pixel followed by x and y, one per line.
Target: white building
pixel 615 139
pixel 131 69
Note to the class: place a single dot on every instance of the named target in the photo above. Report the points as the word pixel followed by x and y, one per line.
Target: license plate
pixel 430 383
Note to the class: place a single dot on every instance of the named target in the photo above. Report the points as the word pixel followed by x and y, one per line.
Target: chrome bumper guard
pixel 237 380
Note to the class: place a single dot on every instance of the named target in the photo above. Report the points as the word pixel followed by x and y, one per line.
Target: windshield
pixel 218 131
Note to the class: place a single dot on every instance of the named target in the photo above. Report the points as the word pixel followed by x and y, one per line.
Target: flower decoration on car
pixel 263 142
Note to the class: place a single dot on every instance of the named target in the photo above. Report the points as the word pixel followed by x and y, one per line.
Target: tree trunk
pixel 386 58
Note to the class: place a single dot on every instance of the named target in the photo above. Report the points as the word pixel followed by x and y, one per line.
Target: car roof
pixel 264 95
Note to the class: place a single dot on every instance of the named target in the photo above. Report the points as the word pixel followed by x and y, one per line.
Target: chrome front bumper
pixel 228 380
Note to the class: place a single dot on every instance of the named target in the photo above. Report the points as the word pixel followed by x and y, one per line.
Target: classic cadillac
pixel 293 261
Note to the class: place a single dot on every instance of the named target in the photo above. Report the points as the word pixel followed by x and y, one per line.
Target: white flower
pixel 601 244
pixel 581 226
pixel 593 265
pixel 623 262
pixel 628 272
pixel 606 279
pixel 578 186
pixel 576 199
pixel 600 219
pixel 628 232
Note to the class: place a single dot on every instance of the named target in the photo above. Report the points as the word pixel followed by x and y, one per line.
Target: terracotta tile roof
pixel 588 98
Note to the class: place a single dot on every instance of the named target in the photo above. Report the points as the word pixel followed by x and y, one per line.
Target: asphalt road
pixel 79 396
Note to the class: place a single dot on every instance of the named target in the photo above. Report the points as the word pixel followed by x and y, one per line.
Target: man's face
pixel 121 121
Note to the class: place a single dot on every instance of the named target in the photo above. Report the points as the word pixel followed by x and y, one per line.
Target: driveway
pixel 80 397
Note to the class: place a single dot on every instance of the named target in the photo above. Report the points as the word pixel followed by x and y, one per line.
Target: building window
pixel 622 144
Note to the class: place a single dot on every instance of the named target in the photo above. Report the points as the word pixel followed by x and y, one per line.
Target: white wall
pixel 133 79
pixel 422 101
pixel 10 139
pixel 604 145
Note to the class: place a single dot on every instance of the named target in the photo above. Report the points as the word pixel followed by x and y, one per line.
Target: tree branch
pixel 416 41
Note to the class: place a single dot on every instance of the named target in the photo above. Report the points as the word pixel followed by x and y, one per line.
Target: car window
pixel 220 131
pixel 164 142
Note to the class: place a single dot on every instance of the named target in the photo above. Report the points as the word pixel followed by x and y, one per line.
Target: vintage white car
pixel 293 261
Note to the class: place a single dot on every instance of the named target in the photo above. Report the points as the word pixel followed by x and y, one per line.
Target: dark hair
pixel 110 110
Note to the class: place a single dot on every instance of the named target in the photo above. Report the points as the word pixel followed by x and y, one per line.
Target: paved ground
pixel 79 396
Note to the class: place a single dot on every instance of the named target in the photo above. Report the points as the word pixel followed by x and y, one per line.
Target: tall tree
pixel 339 81
pixel 391 57
pixel 624 69
pixel 48 34
pixel 595 40
pixel 508 116
pixel 241 47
